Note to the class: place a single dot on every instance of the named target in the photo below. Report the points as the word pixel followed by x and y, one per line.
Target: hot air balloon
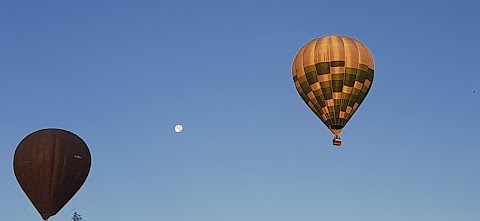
pixel 51 165
pixel 333 75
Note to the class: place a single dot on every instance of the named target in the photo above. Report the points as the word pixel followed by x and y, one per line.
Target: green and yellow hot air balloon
pixel 333 75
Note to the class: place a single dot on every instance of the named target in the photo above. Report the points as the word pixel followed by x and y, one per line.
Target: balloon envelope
pixel 51 165
pixel 333 75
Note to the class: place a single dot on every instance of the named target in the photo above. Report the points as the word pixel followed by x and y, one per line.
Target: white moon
pixel 178 128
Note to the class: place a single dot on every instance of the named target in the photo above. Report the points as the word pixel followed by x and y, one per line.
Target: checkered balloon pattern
pixel 333 75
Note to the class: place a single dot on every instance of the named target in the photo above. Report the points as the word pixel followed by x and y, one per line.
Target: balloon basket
pixel 337 141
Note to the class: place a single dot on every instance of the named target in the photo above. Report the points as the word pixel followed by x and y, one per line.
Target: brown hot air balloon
pixel 51 165
pixel 333 75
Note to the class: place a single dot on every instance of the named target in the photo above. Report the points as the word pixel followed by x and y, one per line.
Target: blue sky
pixel 120 74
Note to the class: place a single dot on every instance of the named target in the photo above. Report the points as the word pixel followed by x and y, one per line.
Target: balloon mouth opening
pixel 46 215
pixel 336 127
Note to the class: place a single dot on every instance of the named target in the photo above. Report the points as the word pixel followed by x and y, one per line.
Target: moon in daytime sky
pixel 178 128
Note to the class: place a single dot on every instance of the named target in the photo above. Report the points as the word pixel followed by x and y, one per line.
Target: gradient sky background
pixel 120 74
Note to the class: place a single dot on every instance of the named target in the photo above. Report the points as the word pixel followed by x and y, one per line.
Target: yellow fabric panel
pixel 337 95
pixel 367 83
pixel 337 51
pixel 351 53
pixel 322 49
pixel 309 55
pixel 365 57
pixel 325 77
pixel 315 86
pixel 337 70
pixel 347 89
pixel 298 64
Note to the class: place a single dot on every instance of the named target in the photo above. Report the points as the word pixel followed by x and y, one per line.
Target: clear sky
pixel 121 74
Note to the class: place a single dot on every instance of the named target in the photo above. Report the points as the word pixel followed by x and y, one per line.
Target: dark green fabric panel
pixel 325 84
pixel 352 100
pixel 355 92
pixel 363 67
pixel 311 77
pixel 370 71
pixel 323 68
pixel 337 85
pixel 318 94
pixel 306 87
pixel 309 68
pixel 337 111
pixel 337 63
pixel 316 105
pixel 370 75
pixel 338 76
pixel 343 107
pixel 349 82
pixel 351 70
pixel 337 106
pixel 304 97
pixel 361 77
pixel 332 112
pixel 364 89
pixel 360 97
pixel 302 79
pixel 350 77
pixel 327 93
